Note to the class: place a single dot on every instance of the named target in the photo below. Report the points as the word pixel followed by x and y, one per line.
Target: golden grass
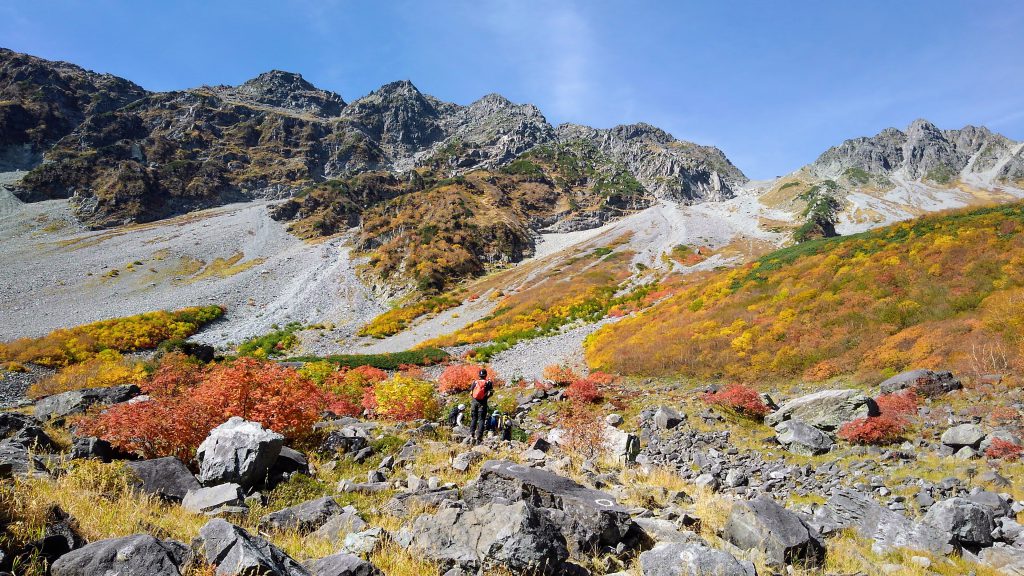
pixel 226 267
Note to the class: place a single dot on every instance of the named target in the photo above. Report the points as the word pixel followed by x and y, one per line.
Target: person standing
pixel 480 393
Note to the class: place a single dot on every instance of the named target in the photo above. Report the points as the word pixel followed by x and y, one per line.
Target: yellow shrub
pixel 108 368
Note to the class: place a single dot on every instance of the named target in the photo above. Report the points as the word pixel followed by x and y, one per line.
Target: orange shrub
pixel 175 374
pixel 266 392
pixel 561 375
pixel 583 391
pixel 460 377
pixel 1003 450
pixel 583 428
pixel 742 399
pixel 601 378
pixel 873 430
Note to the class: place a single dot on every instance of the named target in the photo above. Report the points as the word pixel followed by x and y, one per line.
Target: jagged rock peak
pixel 290 91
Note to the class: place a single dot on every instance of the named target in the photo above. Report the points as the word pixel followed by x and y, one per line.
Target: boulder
pixel 365 542
pixel 994 502
pixel 621 445
pixel 586 518
pixel 1007 560
pixel 234 551
pixel 781 535
pixel 290 461
pixel 165 477
pixel 657 530
pixel 848 509
pixel 963 435
pixel 667 418
pixel 342 565
pixel 965 522
pixel 826 410
pixel 60 536
pixel 16 458
pixel 65 404
pixel 926 383
pixel 304 517
pixel 687 559
pixel 515 536
pixel 92 447
pixel 238 451
pixel 210 499
pixel 463 461
pixel 140 554
pixel 344 442
pixel 338 526
pixel 801 438
pixel 25 430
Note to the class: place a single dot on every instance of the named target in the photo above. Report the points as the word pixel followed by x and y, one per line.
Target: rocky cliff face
pixel 924 152
pixel 667 167
pixel 43 101
pixel 124 155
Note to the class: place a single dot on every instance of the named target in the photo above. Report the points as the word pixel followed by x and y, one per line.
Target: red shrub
pixel 899 404
pixel 155 428
pixel 366 375
pixel 175 374
pixel 460 377
pixel 1004 450
pixel 266 392
pixel 582 428
pixel 561 375
pixel 181 414
pixel 873 430
pixel 742 399
pixel 583 391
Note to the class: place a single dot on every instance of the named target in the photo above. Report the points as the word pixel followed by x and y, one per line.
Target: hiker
pixel 505 427
pixel 480 392
pixel 455 416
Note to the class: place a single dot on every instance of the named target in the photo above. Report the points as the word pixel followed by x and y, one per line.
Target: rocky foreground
pixel 692 491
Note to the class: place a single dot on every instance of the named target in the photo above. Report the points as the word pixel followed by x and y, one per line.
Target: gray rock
pixel 613 419
pixel 344 442
pixel 238 451
pixel 165 477
pixel 212 498
pixel 342 565
pixel 709 481
pixel 667 418
pixel 1004 435
pixel 887 529
pixel 234 551
pixel 926 383
pixel 736 478
pixel 290 461
pixel 964 521
pixel 136 555
pixel 463 461
pixel 91 447
pixel 963 435
pixel 801 438
pixel 994 502
pixel 658 530
pixel 340 525
pixel 587 518
pixel 365 542
pixel 15 459
pixel 691 559
pixel 1008 560
pixel 782 536
pixel 304 517
pixel 826 410
pixel 65 404
pixel 516 536
pixel 620 445
pixel 25 430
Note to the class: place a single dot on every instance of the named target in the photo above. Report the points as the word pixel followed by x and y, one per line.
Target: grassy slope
pixel 941 291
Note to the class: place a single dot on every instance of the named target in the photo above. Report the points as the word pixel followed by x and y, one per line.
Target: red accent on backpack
pixel 479 390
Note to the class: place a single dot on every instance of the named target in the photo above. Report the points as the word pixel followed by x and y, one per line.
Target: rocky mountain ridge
pixel 276 134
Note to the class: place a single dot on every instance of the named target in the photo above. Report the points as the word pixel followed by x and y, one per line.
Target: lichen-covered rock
pixel 761 524
pixel 687 559
pixel 140 554
pixel 826 410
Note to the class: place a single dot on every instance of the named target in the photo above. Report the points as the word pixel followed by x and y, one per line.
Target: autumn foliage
pixel 899 404
pixel 70 345
pixel 920 293
pixel 186 402
pixel 560 374
pixel 403 398
pixel 108 368
pixel 873 430
pixel 1004 450
pixel 739 398
pixel 346 389
pixel 460 377
pixel 583 390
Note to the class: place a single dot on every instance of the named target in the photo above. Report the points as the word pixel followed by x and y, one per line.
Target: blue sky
pixel 772 83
